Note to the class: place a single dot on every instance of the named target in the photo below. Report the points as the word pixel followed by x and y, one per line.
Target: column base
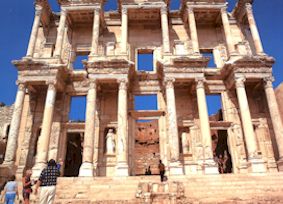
pixel 122 169
pixel 176 168
pixel 257 166
pixel 37 169
pixel 280 164
pixel 210 167
pixel 86 170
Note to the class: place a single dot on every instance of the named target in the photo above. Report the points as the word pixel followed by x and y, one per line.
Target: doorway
pixel 147 152
pixel 73 158
pixel 221 152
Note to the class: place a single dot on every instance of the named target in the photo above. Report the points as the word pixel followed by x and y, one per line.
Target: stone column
pixel 204 119
pixel 122 167
pixel 193 30
pixel 275 118
pixel 60 34
pixel 124 35
pixel 246 118
pixel 86 168
pixel 165 30
pixel 254 31
pixel 175 165
pixel 95 32
pixel 44 138
pixel 34 31
pixel 227 31
pixel 12 143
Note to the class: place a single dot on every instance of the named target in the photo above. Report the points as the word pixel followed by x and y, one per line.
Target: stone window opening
pixel 77 109
pixel 145 102
pixel 78 60
pixel 209 53
pixel 214 107
pixel 145 60
pixel 175 5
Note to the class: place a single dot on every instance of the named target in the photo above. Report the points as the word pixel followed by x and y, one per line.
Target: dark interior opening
pixel 221 152
pixel 73 159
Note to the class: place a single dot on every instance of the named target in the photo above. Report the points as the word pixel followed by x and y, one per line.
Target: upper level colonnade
pixel 198 27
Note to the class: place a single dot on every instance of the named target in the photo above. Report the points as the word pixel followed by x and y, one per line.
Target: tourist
pixel 47 182
pixel 148 171
pixel 10 191
pixel 27 183
pixel 161 168
pixel 220 164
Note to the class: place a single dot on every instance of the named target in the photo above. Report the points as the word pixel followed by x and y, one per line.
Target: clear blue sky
pixel 17 18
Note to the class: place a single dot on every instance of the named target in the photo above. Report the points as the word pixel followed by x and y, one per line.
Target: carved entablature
pixel 79 2
pixel 109 67
pixel 240 10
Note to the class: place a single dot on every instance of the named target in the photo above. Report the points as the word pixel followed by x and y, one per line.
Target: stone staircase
pixel 249 188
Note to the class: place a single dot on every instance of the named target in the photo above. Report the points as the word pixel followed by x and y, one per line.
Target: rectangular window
pixel 146 102
pixel 211 62
pixel 145 60
pixel 77 109
pixel 214 106
pixel 78 63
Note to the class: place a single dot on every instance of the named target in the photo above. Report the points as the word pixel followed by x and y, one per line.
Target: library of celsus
pixel 198 51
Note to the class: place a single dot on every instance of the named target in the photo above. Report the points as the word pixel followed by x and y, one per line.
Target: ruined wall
pixel 279 96
pixel 5 120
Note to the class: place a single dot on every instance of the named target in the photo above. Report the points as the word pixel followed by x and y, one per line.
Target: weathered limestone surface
pixel 245 133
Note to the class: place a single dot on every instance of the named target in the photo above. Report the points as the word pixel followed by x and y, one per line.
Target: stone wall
pixel 279 96
pixel 5 120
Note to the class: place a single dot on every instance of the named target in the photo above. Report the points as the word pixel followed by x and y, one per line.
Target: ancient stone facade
pixel 247 130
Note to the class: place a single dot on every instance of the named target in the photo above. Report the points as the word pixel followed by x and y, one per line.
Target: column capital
pixel 169 82
pixel 97 10
pixel 223 9
pixel 163 10
pixel 190 10
pixel 249 7
pixel 240 82
pixel 123 84
pixel 63 12
pixel 21 85
pixel 124 10
pixel 268 82
pixel 200 82
pixel 51 84
pixel 93 84
pixel 38 10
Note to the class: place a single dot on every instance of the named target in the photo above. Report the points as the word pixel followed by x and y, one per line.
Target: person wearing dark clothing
pixel 47 181
pixel 161 168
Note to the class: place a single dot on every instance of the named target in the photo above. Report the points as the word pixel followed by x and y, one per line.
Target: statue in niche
pixel 110 142
pixel 185 145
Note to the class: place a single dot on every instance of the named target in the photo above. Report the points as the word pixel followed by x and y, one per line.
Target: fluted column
pixel 193 30
pixel 95 32
pixel 275 118
pixel 124 35
pixel 165 30
pixel 12 143
pixel 246 118
pixel 254 30
pixel 44 138
pixel 172 120
pixel 34 31
pixel 122 168
pixel 60 34
pixel 86 168
pixel 209 164
pixel 227 31
pixel 204 119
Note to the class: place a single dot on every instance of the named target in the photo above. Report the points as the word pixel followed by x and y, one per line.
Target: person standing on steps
pixel 10 191
pixel 161 168
pixel 47 182
pixel 27 183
